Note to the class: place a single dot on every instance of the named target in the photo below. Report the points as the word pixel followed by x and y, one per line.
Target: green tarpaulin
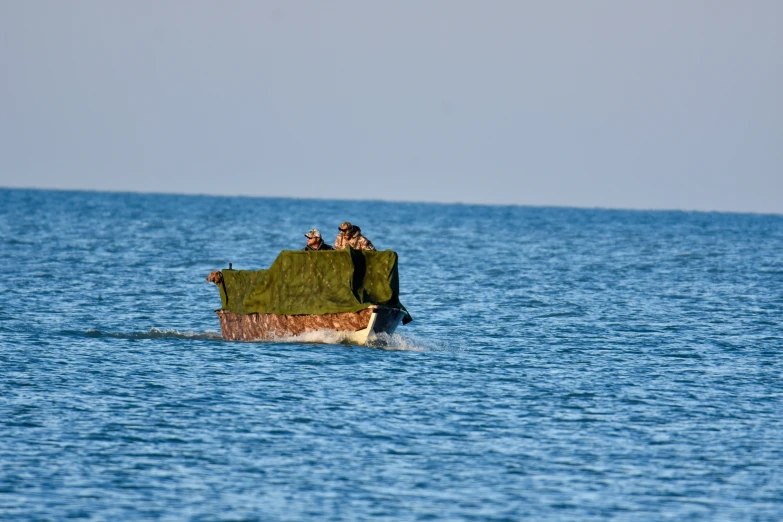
pixel 310 283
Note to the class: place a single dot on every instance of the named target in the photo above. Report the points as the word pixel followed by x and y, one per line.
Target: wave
pixel 397 342
pixel 155 333
pixel 394 342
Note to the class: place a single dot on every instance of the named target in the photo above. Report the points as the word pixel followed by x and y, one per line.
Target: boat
pixel 351 294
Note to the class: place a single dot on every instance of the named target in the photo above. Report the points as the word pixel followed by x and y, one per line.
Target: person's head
pixel 346 229
pixel 313 237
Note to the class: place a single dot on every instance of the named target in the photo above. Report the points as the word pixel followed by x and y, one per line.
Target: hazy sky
pixel 629 104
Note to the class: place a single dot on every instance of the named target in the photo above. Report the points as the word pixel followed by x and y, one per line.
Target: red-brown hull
pixel 358 326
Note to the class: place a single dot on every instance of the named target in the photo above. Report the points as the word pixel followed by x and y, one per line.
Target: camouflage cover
pixel 314 283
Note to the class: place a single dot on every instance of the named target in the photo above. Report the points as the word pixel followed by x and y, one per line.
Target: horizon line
pixel 422 202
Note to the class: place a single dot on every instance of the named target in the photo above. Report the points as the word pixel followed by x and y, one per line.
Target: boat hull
pixel 355 327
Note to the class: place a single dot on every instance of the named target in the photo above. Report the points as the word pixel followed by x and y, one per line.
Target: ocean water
pixel 563 364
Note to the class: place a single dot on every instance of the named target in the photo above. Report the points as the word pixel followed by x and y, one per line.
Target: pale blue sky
pixel 624 104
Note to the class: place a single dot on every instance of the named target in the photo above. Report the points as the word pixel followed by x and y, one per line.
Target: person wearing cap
pixel 351 235
pixel 314 241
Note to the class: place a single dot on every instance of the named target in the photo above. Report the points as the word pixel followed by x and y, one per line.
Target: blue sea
pixel 563 364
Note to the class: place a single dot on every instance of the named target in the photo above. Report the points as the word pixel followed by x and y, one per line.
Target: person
pixel 351 235
pixel 314 241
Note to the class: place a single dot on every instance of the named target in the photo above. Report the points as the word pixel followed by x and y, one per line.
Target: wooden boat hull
pixel 354 327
